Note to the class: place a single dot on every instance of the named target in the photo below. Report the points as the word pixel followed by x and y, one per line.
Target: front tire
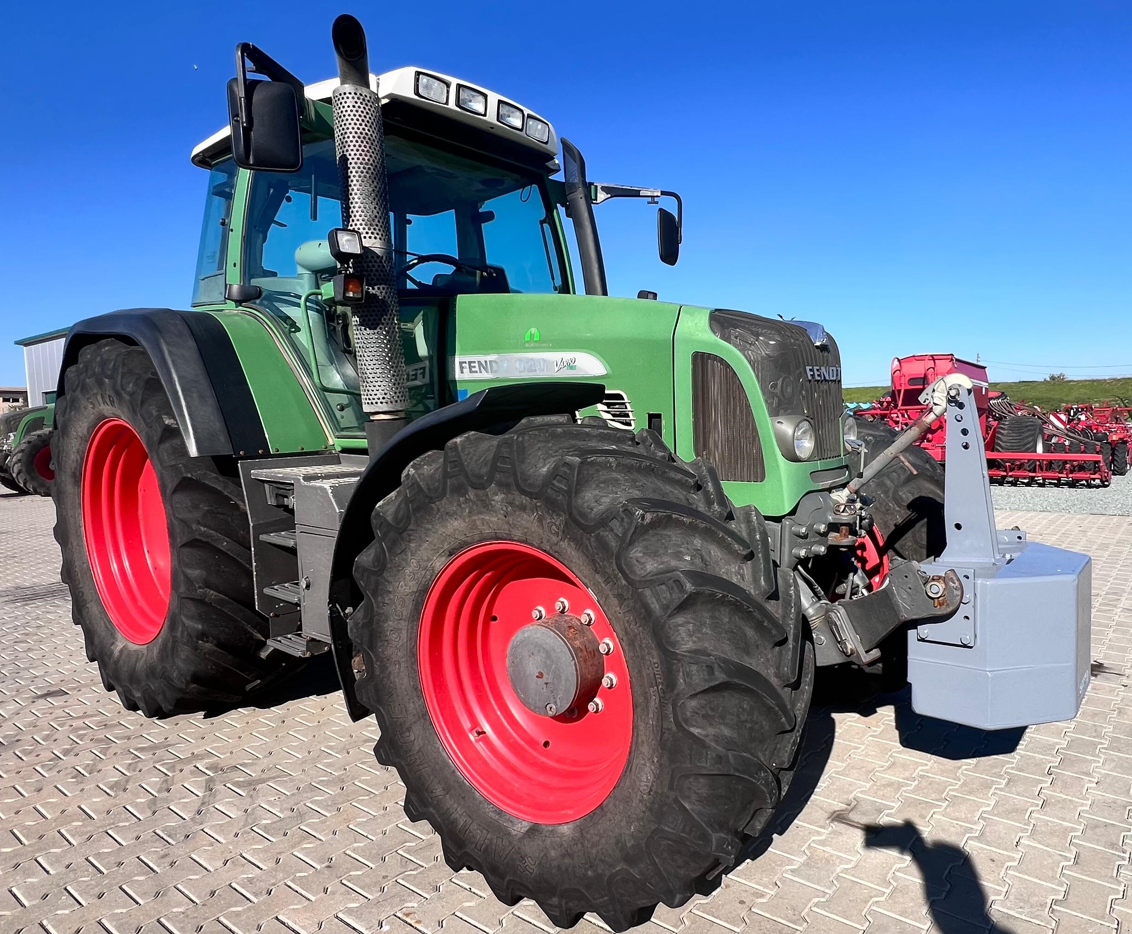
pixel 697 734
pixel 907 496
pixel 155 543
pixel 31 463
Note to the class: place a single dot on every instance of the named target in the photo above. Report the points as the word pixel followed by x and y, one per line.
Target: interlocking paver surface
pixel 277 819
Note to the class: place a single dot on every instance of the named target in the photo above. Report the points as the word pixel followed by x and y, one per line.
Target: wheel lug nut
pixel 560 605
pixel 606 647
pixel 609 681
pixel 588 617
pixel 551 710
pixel 595 706
pixel 538 613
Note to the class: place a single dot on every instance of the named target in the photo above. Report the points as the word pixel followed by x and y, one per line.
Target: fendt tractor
pixel 580 555
pixel 25 449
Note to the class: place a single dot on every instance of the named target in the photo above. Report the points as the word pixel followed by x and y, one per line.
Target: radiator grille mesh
pixel 723 426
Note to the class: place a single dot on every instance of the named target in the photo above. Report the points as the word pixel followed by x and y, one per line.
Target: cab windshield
pixel 458 225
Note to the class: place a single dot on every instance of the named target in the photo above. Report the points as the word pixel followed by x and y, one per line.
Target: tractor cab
pixel 473 210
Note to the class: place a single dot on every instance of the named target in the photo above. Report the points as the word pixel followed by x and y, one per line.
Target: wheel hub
pixel 497 615
pixel 555 665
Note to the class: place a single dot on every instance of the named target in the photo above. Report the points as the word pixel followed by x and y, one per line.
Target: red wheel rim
pixel 126 533
pixel 42 463
pixel 548 770
pixel 872 557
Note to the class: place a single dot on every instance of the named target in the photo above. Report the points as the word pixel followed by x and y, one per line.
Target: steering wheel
pixel 447 258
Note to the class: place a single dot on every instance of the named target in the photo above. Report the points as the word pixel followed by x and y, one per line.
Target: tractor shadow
pixel 316 677
pixel 952 888
pixel 955 895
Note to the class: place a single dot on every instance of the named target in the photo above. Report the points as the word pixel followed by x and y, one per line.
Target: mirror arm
pixel 262 64
pixel 603 192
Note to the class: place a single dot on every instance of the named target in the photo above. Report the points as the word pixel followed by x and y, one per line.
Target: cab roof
pixel 401 85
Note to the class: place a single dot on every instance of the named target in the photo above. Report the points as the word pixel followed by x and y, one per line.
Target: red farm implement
pixel 1023 445
pixel 1108 424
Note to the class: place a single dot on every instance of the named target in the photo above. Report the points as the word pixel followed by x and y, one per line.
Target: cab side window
pixel 289 215
pixel 212 254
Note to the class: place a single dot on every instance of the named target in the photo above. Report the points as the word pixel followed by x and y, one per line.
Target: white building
pixel 43 355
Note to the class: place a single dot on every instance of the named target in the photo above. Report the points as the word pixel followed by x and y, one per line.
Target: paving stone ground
pixel 277 819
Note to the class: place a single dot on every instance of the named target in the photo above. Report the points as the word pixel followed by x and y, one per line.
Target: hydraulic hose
pixel 936 408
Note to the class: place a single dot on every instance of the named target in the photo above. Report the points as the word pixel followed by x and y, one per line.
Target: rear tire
pixel 193 639
pixel 1120 458
pixel 1019 434
pixel 719 666
pixel 31 463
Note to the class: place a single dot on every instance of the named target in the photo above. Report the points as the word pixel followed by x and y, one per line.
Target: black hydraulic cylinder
pixel 359 142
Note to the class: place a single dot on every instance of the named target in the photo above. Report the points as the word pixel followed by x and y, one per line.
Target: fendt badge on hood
pixel 823 374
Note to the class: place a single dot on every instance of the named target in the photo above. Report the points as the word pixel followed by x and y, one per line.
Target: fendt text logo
pixel 823 374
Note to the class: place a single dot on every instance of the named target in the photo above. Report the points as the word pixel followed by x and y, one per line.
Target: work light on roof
pixel 471 100
pixel 510 115
pixel 538 130
pixel 432 88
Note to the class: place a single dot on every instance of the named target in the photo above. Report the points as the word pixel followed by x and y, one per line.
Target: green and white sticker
pixel 526 365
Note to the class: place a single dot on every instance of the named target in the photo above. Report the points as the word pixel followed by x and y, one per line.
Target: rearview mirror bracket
pixel 668 240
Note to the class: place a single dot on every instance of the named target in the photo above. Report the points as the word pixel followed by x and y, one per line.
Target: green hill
pixel 1037 392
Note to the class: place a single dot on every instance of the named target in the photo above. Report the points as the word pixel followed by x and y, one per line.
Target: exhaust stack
pixel 359 143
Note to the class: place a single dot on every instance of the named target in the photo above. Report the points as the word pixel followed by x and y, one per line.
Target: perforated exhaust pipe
pixel 359 143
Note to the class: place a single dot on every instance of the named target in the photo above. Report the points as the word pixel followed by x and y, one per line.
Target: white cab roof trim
pixel 400 84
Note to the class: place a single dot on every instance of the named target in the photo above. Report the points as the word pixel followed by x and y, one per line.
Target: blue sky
pixel 918 176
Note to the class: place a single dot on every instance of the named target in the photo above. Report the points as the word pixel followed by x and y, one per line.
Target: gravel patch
pixel 1115 500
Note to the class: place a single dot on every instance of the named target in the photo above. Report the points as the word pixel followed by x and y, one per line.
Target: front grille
pixel 723 427
pixel 780 352
pixel 616 409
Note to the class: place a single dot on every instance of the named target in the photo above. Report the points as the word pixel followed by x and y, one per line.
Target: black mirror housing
pixel 271 140
pixel 667 237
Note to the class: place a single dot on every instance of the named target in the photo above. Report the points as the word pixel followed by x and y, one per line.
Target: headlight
pixel 432 88
pixel 471 100
pixel 804 439
pixel 538 130
pixel 849 430
pixel 510 115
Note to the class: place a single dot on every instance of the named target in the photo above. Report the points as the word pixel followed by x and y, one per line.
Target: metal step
pixel 279 483
pixel 287 539
pixel 290 592
pixel 295 644
pixel 307 474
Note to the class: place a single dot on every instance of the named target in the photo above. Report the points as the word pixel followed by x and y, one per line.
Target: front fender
pixel 494 409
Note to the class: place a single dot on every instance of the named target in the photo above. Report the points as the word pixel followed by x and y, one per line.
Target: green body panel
pixel 625 343
pixel 645 350
pixel 30 421
pixel 279 387
pixel 786 481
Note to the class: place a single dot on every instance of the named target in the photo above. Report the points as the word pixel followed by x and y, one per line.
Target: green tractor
pixel 25 449
pixel 580 555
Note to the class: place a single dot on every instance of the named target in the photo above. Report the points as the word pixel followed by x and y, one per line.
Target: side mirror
pixel 667 237
pixel 266 134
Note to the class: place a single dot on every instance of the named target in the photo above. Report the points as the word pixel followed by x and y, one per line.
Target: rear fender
pixel 494 409
pixel 198 367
